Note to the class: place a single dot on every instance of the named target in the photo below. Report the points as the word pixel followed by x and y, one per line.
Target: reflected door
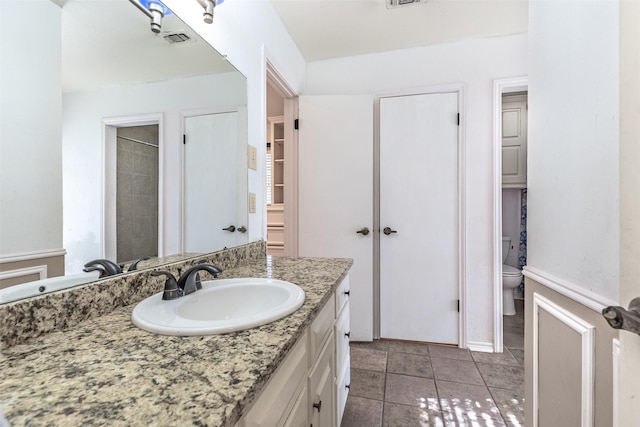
pixel 211 161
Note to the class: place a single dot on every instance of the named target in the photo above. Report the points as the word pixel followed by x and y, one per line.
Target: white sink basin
pixel 222 305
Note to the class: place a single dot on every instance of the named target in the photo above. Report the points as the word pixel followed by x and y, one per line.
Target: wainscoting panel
pixel 27 267
pixel 568 361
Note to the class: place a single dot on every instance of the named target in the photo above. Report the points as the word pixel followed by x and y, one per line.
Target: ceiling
pixel 109 42
pixel 324 29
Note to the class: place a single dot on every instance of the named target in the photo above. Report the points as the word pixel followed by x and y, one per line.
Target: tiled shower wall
pixel 137 193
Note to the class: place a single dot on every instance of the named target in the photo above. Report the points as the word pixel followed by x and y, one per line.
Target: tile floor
pixel 403 384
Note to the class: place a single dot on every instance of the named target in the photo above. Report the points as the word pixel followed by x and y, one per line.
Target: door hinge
pixel 184 139
pixel 458 306
pixel 295 124
pixel 458 119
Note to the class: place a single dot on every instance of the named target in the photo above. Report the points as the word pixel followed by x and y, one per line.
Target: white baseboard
pixel 482 346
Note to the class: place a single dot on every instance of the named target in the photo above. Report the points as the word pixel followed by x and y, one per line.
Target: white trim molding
pixel 570 290
pixel 500 87
pixel 482 346
pixel 616 382
pixel 40 270
pixel 587 334
pixel 28 256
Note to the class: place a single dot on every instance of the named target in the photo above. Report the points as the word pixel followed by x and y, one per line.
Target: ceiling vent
pixel 177 37
pixel 392 4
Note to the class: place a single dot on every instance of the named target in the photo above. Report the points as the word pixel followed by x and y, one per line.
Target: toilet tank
pixel 506 245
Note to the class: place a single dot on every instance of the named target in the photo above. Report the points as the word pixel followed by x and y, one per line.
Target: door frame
pixel 500 87
pixel 290 96
pixel 460 90
pixel 109 151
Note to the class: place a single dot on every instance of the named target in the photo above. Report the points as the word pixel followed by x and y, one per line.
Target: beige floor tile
pixel 364 358
pixel 504 358
pixel 360 412
pixel 449 352
pixel 511 406
pixel 409 347
pixel 410 364
pixel 461 371
pixel 369 384
pixel 412 391
pixel 396 415
pixel 502 376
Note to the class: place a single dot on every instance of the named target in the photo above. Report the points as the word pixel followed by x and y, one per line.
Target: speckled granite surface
pixel 32 317
pixel 105 371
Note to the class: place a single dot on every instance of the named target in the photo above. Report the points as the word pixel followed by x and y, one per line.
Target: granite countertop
pixel 106 371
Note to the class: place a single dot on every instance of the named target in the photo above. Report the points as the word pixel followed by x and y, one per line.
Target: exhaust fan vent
pixel 177 38
pixel 391 4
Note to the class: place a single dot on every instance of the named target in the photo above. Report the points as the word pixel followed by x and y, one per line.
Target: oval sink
pixel 222 305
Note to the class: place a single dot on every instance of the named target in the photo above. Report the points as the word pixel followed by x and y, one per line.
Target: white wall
pixel 30 115
pixel 249 32
pixel 83 151
pixel 476 63
pixel 573 223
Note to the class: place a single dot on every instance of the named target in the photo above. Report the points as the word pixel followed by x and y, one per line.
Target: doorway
pixel 132 178
pixel 501 88
pixel 281 165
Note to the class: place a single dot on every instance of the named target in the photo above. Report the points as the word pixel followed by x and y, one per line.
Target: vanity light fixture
pixel 208 6
pixel 155 10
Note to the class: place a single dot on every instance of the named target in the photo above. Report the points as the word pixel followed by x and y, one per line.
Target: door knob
pixel 230 228
pixel 364 231
pixel 388 230
pixel 242 229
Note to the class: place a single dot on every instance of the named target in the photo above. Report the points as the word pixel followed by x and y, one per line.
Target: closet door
pixel 336 192
pixel 419 218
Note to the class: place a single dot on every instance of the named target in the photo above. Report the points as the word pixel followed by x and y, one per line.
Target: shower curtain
pixel 522 247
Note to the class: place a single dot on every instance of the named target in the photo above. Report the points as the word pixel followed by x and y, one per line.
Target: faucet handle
pixel 171 288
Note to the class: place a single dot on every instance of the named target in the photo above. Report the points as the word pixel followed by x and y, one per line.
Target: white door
pixel 336 192
pixel 419 206
pixel 211 182
pixel 514 141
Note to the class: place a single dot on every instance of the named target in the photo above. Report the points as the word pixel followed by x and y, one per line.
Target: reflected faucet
pixel 134 265
pixel 104 266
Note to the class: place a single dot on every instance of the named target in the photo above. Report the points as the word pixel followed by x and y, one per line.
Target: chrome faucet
pixel 188 283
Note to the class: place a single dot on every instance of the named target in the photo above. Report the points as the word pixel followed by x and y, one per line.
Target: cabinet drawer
pixel 342 294
pixel 342 335
pixel 278 396
pixel 320 328
pixel 343 382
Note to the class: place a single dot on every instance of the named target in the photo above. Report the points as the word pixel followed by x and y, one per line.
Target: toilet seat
pixel 509 271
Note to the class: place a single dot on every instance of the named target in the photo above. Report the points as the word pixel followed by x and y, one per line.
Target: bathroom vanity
pixel 106 371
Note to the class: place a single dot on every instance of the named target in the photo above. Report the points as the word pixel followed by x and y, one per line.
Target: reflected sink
pixel 45 286
pixel 222 305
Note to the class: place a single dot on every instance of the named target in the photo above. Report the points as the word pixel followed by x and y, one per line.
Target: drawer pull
pixel 347 293
pixel 348 386
pixel 347 334
pixel 318 405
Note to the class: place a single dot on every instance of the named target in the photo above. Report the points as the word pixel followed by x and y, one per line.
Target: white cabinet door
pixel 514 144
pixel 336 192
pixel 322 388
pixel 419 204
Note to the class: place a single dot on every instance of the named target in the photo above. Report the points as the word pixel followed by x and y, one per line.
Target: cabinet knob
pixel 318 405
pixel 347 293
pixel 347 334
pixel 348 386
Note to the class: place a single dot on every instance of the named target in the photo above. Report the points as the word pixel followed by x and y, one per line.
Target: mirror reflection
pixel 153 142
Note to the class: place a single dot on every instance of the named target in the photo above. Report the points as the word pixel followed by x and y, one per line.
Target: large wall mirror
pixel 154 137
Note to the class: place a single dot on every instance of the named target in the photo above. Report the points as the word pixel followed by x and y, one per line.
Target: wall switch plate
pixel 252 153
pixel 252 202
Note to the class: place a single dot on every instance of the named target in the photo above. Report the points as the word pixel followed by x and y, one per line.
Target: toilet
pixel 511 278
